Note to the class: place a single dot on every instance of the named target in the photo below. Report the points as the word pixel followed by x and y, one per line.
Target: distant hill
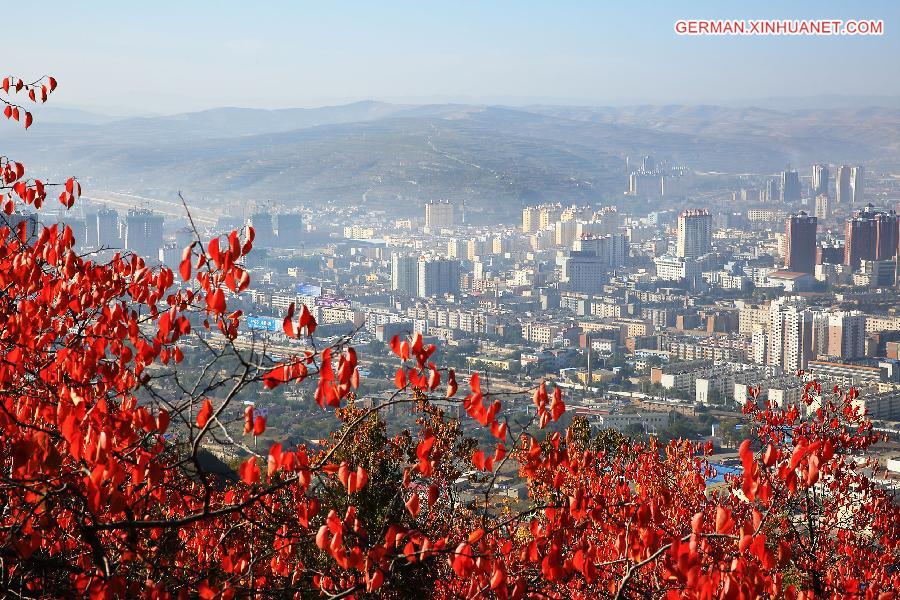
pixel 388 155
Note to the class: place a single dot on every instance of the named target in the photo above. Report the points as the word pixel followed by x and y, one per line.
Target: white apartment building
pixel 438 215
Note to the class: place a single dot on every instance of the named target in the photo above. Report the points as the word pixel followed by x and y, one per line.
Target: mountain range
pixel 390 156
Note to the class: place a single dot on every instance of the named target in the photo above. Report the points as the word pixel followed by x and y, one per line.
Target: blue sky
pixel 172 56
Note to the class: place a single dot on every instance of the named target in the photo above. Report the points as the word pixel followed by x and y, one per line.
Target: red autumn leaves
pixel 223 271
pixel 37 91
pixel 32 191
pixel 98 502
pixel 306 323
pixel 296 369
pixel 425 375
pixel 253 423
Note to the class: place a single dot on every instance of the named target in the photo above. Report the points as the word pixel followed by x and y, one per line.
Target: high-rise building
pixel 857 185
pixel 405 274
pixel 143 232
pixel 90 231
pixel 819 180
pixel 438 276
pixel 108 235
pixel 645 184
pixel 674 185
pixel 438 215
pixel 612 250
pixel 822 206
pixel 457 248
pixel 694 233
pixel 583 272
pixel 842 190
pixel 830 255
pixel 564 232
pixel 550 214
pixel 870 235
pixel 184 236
pixel 790 186
pixel 760 345
pixel 877 273
pixel 499 244
pixel 530 219
pixel 773 192
pixel 170 255
pixel 537 218
pixel 575 213
pixel 800 243
pixel 790 334
pixel 847 334
pixel 476 248
pixel 290 230
pixel 839 334
pixel 264 231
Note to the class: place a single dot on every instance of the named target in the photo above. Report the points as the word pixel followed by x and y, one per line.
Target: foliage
pixel 108 490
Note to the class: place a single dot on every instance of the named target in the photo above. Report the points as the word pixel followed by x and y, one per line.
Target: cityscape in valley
pixel 655 310
pixel 450 301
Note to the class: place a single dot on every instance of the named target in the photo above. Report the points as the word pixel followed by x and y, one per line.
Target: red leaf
pixel 204 413
pixel 248 419
pixel 395 345
pixel 724 524
pixel 185 269
pixel 213 250
pixel 275 377
pixel 696 522
pixel 475 383
pixel 462 561
pixel 451 384
pixel 217 301
pixel 433 493
pixel 376 581
pixel 434 379
pixel 400 379
pixel 770 456
pixel 162 421
pixel 249 471
pixel 288 324
pixel 306 320
pixel 362 477
pixel 259 425
pixel 412 505
pixel 478 460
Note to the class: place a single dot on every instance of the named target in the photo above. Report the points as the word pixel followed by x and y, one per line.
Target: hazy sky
pixel 171 56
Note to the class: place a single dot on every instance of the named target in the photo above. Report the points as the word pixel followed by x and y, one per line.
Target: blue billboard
pixel 262 323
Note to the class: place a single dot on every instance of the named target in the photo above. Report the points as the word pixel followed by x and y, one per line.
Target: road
pixel 168 208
